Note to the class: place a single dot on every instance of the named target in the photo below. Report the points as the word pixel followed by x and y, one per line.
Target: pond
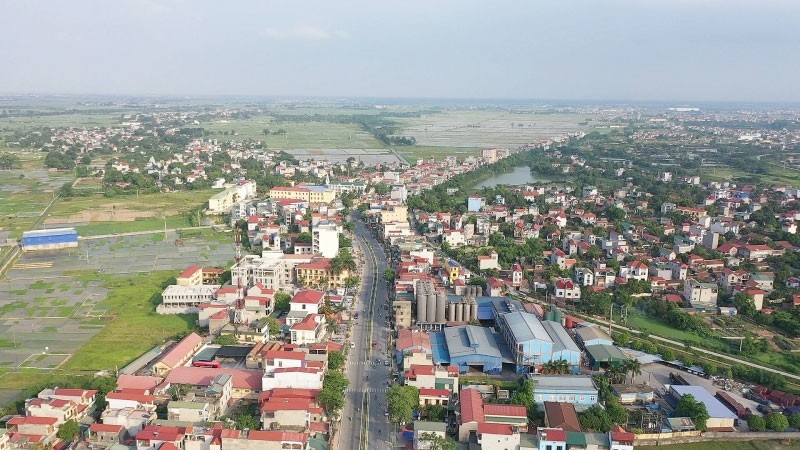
pixel 520 175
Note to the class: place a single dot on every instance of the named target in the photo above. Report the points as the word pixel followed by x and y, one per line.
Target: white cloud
pixel 303 32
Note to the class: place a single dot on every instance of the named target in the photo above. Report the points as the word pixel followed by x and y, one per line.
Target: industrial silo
pixel 451 312
pixel 460 312
pixel 441 307
pixel 430 303
pixel 479 292
pixel 421 307
pixel 473 310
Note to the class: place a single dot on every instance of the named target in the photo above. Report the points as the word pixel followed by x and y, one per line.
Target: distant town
pixel 186 278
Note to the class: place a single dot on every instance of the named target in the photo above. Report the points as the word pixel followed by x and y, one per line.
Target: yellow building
pixel 317 273
pixel 308 193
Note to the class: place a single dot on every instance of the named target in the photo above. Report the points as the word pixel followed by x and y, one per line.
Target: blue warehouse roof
pixel 50 232
pixel 561 339
pixel 439 348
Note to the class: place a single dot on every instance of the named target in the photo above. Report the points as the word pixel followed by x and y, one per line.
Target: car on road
pixel 352 345
pixel 386 363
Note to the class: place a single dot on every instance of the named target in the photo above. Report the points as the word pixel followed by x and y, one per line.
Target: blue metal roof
pixel 439 348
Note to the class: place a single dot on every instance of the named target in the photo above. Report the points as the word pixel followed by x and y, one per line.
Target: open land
pixel 92 308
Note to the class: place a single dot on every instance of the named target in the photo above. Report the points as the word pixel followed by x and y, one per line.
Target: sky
pixel 630 50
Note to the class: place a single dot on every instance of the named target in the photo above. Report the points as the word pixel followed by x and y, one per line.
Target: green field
pixel 487 128
pixel 643 323
pixel 298 135
pixel 414 152
pixel 734 445
pixel 103 228
pixel 133 326
pixel 78 120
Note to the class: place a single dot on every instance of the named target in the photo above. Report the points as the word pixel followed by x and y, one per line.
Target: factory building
pixel 435 309
pixel 469 346
pixel 54 239
pixel 534 343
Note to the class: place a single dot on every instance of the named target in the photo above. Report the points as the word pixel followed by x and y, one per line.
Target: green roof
pixel 576 438
pixel 605 353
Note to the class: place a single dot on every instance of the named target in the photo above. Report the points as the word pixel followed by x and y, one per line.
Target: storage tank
pixel 460 312
pixel 441 307
pixel 431 307
pixel 548 315
pixel 422 308
pixel 473 310
pixel 479 291
pixel 569 322
pixel 451 312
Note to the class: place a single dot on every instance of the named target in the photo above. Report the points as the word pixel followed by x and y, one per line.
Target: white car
pixel 352 345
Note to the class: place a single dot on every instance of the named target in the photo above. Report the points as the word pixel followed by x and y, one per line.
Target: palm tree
pixel 634 367
pixel 562 366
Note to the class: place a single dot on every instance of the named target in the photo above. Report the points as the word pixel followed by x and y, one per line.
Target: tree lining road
pixel 363 422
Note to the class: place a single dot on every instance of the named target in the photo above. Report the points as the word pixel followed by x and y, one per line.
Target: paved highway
pixel 364 424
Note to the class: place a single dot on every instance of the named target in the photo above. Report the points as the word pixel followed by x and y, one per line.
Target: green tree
pixel 389 275
pixel 8 161
pixel 303 238
pixel 225 339
pixel 756 423
pixel 245 420
pixel 403 401
pixel 274 326
pixel 776 421
pixel 66 190
pixel 68 430
pixel 435 413
pixel 282 300
pixel 744 304
pixel 435 441
pixel 331 397
pixel 691 408
pixel 595 419
pixel 794 421
pixel 350 283
pixel 335 361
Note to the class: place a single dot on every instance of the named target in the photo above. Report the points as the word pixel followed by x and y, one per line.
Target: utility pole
pixel 610 319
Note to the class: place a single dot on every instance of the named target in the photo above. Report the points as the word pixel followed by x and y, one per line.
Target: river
pixel 520 175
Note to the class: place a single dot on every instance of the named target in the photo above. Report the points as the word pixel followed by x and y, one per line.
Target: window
pixel 549 447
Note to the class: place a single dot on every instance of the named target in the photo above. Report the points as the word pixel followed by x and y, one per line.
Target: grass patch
pixel 101 228
pixel 39 284
pixel 652 326
pixel 135 327
pixel 734 445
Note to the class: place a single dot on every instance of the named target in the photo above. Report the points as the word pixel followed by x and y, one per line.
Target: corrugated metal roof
pixel 561 340
pixel 470 340
pixel 526 327
pixel 715 408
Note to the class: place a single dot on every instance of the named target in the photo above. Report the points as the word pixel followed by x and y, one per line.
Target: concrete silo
pixel 441 307
pixel 430 304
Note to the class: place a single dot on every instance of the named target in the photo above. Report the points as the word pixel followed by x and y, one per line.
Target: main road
pixel 364 423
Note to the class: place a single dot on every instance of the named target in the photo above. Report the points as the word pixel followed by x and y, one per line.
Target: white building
pixel 325 239
pixel 700 294
pixel 185 299
pixel 296 378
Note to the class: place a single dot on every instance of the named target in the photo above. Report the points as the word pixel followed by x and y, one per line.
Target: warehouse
pixel 563 345
pixel 527 337
pixel 468 346
pixel 719 416
pixel 593 336
pixel 54 239
pixel 605 355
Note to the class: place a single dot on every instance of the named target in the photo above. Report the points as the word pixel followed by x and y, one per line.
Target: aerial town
pixel 618 294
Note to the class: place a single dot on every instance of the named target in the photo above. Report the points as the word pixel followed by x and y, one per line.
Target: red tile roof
pixel 505 410
pixel 553 434
pixel 138 382
pixel 471 406
pixel 445 393
pixel 308 323
pixel 495 428
pixel 283 354
pixel 202 376
pixel 30 420
pixel 191 270
pixel 105 428
pixel 277 436
pixel 308 297
pixel 562 415
pixel 181 350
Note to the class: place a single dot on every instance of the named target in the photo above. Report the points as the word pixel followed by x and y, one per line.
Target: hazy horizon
pixel 658 51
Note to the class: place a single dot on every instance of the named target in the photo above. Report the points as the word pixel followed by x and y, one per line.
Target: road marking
pixel 33 265
pixel 366 390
